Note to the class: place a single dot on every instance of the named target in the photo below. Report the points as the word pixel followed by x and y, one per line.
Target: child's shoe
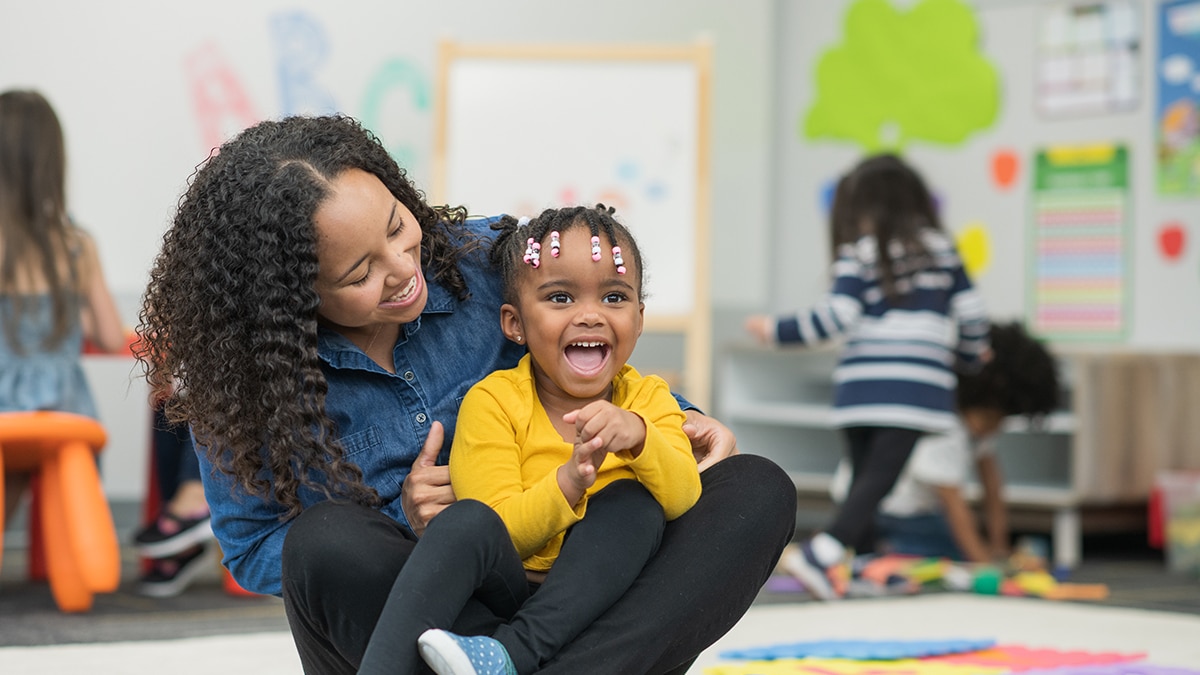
pixel 170 535
pixel 800 562
pixel 168 577
pixel 450 654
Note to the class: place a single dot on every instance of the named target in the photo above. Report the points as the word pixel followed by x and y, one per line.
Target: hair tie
pixel 523 221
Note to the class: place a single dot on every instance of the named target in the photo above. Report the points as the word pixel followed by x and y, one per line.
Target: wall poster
pixel 1079 245
pixel 1087 58
pixel 1177 115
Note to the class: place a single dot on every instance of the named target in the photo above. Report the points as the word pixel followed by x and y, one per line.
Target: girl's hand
pixel 579 472
pixel 605 427
pixel 711 440
pixel 427 488
pixel 600 428
pixel 761 328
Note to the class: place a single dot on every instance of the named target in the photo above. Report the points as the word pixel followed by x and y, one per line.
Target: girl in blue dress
pixel 52 290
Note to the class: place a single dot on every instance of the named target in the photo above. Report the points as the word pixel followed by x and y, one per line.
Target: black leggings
pixel 340 562
pixel 877 456
pixel 467 551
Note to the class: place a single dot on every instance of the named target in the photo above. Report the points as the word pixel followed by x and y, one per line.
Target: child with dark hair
pixel 53 293
pixel 926 513
pixel 177 542
pixel 582 458
pixel 907 313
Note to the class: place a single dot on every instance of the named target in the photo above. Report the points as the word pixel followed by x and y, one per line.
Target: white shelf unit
pixel 777 401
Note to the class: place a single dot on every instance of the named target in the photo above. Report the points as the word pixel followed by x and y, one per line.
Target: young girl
pixel 52 290
pixel 583 458
pixel 908 312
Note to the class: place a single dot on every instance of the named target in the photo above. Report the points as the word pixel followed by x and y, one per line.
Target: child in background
pixel 177 541
pixel 583 459
pixel 53 294
pixel 908 313
pixel 926 514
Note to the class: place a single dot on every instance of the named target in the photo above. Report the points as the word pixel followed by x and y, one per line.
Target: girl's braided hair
pixel 228 325
pixel 507 252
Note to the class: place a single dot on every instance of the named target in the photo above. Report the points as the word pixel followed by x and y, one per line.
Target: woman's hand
pixel 711 440
pixel 427 488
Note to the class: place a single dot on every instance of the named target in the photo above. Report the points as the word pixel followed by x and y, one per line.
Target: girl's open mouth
pixel 587 357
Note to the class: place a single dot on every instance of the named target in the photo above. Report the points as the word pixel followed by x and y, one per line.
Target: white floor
pixel 1167 639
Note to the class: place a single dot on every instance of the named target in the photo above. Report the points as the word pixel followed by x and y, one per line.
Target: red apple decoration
pixel 1171 240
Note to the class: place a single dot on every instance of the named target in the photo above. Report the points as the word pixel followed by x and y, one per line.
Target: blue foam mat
pixel 862 650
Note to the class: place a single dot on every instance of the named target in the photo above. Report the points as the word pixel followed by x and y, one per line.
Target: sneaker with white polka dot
pixel 450 654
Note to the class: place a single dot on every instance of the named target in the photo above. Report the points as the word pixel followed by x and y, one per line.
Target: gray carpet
pixel 28 615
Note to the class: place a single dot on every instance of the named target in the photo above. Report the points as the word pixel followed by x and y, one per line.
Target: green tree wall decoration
pixel 903 75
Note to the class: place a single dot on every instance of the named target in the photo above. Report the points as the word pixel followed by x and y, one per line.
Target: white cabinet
pixel 777 401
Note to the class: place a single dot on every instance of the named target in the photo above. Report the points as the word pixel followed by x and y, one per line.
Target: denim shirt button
pixel 409 376
pixel 421 418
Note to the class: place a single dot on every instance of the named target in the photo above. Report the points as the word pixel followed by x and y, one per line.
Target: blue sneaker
pixel 450 654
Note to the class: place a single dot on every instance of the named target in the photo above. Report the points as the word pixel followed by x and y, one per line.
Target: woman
pixel 323 322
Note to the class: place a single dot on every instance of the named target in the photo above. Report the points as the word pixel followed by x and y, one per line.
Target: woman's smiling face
pixel 369 257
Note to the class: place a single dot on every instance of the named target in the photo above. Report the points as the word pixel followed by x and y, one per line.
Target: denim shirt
pixel 382 419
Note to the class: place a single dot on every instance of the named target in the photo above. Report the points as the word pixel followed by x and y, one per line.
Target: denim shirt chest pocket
pixel 366 449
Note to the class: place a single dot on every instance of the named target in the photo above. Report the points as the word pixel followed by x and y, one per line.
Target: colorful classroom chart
pixel 1177 116
pixel 1087 58
pixel 1078 244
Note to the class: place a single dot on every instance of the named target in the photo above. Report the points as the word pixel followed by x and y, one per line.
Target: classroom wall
pixel 145 89
pixel 1163 293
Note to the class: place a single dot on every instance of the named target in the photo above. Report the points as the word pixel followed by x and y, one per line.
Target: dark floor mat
pixel 28 615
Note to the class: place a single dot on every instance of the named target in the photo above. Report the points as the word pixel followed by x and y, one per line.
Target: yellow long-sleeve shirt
pixel 506 454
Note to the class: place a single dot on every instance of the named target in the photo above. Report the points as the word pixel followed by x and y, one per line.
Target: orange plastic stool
pixel 82 553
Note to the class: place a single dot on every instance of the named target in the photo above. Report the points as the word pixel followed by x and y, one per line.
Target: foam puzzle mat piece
pixel 1017 658
pixel 864 650
pixel 1114 669
pixel 848 667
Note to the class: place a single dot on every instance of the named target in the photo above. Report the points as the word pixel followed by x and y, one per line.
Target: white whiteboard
pixel 521 128
pixel 526 134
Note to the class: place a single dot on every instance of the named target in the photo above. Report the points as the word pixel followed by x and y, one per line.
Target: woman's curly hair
pixel 228 325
